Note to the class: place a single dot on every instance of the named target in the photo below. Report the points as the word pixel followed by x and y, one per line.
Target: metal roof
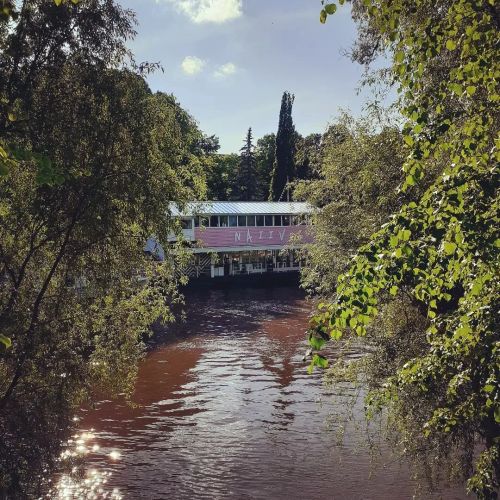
pixel 240 208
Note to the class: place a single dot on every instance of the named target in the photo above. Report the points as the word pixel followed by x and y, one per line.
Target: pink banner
pixel 215 237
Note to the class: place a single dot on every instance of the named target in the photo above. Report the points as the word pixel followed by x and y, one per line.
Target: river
pixel 224 409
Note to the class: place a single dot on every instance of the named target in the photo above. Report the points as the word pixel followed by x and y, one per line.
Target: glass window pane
pixel 269 220
pixel 197 221
pixel 233 221
pixel 260 220
pixel 277 220
pixel 186 223
pixel 223 221
pixel 214 221
pixel 204 221
pixel 250 220
pixel 242 220
pixel 285 219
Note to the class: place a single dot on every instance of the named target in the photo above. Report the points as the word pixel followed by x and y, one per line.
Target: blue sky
pixel 229 61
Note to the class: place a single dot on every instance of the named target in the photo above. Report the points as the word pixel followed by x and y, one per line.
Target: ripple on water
pixel 228 411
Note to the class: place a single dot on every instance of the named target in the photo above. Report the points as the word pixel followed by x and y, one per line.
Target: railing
pixel 260 267
pixel 287 266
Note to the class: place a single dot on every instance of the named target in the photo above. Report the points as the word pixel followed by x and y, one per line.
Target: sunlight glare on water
pixel 224 408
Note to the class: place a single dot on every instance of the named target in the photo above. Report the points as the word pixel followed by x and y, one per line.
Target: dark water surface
pixel 226 409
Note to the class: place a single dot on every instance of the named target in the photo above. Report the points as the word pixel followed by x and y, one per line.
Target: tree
pixel 440 252
pixel 307 156
pixel 96 160
pixel 246 176
pixel 284 166
pixel 265 155
pixel 221 177
pixel 355 189
pixel 44 30
pixel 209 145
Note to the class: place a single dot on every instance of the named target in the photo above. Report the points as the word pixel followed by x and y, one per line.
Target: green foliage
pixel 284 165
pixel 265 156
pixel 245 186
pixel 57 19
pixel 221 176
pixel 94 160
pixel 228 175
pixel 317 360
pixel 60 2
pixel 308 156
pixel 7 10
pixel 355 190
pixel 441 249
pixel 6 161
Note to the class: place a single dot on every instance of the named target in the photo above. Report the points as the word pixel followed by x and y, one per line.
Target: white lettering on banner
pixel 263 235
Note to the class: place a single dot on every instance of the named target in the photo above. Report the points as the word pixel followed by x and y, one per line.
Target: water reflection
pixel 79 481
pixel 225 409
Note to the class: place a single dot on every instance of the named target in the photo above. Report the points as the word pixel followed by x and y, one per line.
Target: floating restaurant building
pixel 230 238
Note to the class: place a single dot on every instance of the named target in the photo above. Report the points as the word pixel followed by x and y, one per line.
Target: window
pixel 277 220
pixel 233 221
pixel 214 221
pixel 197 221
pixel 186 224
pixel 260 220
pixel 223 220
pixel 285 219
pixel 204 221
pixel 242 220
pixel 250 220
pixel 268 219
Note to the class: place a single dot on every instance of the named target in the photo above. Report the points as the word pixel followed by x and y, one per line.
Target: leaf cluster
pixel 441 249
pixel 95 158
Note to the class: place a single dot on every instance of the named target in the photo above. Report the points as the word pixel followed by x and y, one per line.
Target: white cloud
pixel 191 65
pixel 225 70
pixel 209 11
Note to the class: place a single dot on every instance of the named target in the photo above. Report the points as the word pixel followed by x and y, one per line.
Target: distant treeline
pixel 265 169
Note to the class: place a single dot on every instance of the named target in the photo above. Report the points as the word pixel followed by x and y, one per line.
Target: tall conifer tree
pixel 284 167
pixel 246 179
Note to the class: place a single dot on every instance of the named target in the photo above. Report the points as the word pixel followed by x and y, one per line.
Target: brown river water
pixel 224 409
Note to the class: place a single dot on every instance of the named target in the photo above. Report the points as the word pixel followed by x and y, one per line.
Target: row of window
pixel 244 221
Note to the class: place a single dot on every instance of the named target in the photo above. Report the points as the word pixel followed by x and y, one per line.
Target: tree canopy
pixel 92 160
pixel 441 250
pixel 284 164
pixel 355 191
pixel 246 188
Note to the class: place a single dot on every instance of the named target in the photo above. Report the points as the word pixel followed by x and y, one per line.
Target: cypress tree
pixel 246 178
pixel 284 167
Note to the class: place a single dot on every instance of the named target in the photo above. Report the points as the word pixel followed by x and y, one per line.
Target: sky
pixel 228 62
